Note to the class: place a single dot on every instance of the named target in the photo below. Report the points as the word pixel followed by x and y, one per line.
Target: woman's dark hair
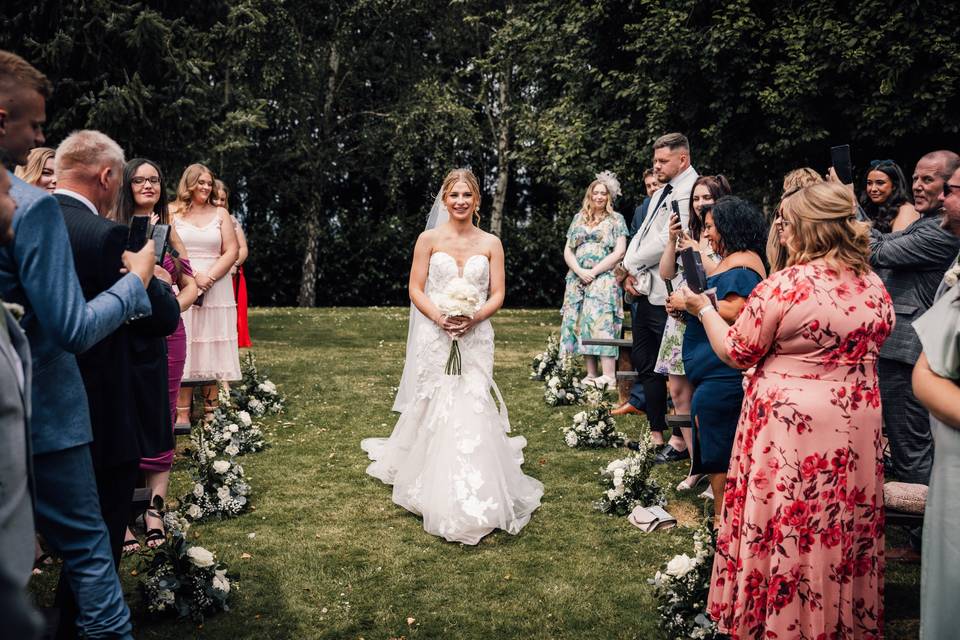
pixel 882 215
pixel 718 187
pixel 126 206
pixel 741 226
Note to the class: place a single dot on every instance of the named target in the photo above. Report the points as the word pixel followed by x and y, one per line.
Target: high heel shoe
pixel 691 482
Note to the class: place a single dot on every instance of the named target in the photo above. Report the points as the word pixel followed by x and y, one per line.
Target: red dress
pixel 240 294
pixel 800 545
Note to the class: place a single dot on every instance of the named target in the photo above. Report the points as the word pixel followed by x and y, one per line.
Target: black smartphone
pixel 693 271
pixel 160 235
pixel 840 159
pixel 138 234
pixel 199 301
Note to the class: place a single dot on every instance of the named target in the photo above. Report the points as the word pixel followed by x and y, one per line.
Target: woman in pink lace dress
pixel 800 545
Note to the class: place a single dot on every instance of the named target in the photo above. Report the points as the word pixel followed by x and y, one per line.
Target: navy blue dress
pixel 717 387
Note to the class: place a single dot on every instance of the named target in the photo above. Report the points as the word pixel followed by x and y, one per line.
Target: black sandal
pixel 154 535
pixel 130 546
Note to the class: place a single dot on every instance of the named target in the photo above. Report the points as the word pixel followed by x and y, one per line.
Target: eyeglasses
pixel 947 188
pixel 139 180
pixel 876 163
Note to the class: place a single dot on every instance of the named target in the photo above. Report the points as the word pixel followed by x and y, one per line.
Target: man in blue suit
pixel 37 272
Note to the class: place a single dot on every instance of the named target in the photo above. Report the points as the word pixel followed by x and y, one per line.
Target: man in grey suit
pixel 16 500
pixel 912 263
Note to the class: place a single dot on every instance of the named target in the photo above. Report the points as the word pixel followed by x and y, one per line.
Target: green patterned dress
pixel 594 310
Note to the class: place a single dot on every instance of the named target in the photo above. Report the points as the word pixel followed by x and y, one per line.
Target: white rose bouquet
pixel 458 298
pixel 682 587
pixel 219 487
pixel 627 482
pixel 229 431
pixel 594 427
pixel 563 387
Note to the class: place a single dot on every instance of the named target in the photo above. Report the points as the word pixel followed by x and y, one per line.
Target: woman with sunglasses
pixel 886 199
pixel 142 195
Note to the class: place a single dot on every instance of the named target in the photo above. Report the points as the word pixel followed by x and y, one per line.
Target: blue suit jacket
pixel 639 214
pixel 37 271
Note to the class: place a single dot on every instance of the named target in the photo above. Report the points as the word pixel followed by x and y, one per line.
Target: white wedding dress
pixel 449 458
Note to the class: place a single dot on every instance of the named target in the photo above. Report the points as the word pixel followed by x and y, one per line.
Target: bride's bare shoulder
pixel 491 243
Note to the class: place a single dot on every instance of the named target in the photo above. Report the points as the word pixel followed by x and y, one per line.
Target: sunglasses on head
pixel 876 163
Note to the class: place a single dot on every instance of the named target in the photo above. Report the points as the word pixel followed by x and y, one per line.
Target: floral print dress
pixel 593 310
pixel 801 540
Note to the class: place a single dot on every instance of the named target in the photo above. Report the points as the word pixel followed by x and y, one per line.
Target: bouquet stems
pixel 454 364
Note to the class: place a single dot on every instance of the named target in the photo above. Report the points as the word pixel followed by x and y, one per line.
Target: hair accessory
pixel 609 179
pixel 876 163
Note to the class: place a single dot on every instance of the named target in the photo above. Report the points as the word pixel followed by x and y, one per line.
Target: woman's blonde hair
pixel 823 217
pixel 188 184
pixel 31 172
pixel 220 187
pixel 463 175
pixel 586 209
pixel 795 180
pixel 800 178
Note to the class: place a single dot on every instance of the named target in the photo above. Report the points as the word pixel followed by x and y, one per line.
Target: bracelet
pixel 704 309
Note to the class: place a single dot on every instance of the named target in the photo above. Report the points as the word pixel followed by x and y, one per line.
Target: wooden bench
pixel 625 373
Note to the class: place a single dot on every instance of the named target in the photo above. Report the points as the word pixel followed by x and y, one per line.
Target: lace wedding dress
pixel 449 458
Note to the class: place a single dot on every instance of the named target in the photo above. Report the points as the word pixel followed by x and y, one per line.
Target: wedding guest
pixel 58 321
pixel 802 517
pixel 912 263
pixel 221 198
pixel 706 191
pixel 89 167
pixel 208 233
pixel 671 164
pixel 886 200
pixel 776 245
pixel 935 382
pixel 39 169
pixel 650 186
pixel 16 502
pixel 592 300
pixel 736 232
pixel 159 364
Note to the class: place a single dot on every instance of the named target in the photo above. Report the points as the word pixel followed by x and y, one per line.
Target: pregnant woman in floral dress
pixel 592 300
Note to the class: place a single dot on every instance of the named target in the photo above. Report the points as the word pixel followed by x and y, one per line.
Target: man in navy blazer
pixel 37 272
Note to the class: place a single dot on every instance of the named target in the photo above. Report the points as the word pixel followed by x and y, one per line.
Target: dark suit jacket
pixel 911 263
pixel 112 370
pixel 638 216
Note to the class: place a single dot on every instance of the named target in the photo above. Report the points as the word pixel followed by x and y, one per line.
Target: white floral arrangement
pixel 563 387
pixel 952 274
pixel 681 590
pixel 627 482
pixel 229 431
pixel 458 298
pixel 594 427
pixel 219 487
pixel 545 362
pixel 255 393
pixel 185 580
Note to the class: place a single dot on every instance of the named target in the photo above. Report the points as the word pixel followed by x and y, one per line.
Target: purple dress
pixel 176 357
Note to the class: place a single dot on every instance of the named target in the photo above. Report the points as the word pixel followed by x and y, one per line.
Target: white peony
pixel 232 428
pixel 232 450
pixel 220 581
pixel 244 418
pixel 198 490
pixel 680 565
pixel 601 424
pixel 221 466
pixel 194 511
pixel 611 494
pixel 580 416
pixel 616 464
pixel 571 439
pixel 200 557
pixel 267 387
pixel 554 382
pixel 458 298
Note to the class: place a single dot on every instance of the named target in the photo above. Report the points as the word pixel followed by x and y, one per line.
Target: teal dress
pixel 939 331
pixel 594 310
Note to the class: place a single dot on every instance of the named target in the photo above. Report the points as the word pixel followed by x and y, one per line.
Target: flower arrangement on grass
pixel 184 579
pixel 229 431
pixel 219 487
pixel 627 482
pixel 545 362
pixel 594 427
pixel 563 387
pixel 255 393
pixel 682 587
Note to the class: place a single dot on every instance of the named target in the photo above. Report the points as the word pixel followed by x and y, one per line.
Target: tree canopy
pixel 334 122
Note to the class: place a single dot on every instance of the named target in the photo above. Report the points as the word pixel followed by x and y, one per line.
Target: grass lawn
pixel 333 557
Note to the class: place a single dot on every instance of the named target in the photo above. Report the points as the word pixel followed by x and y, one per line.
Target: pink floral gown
pixel 800 547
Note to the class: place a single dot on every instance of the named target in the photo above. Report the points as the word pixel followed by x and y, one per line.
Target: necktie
pixel 667 190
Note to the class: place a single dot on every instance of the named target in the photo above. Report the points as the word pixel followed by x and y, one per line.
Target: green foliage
pixel 335 121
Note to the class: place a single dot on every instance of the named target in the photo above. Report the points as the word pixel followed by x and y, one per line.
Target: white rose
pixel 232 428
pixel 223 493
pixel 611 494
pixel 601 424
pixel 571 439
pixel 198 490
pixel 680 565
pixel 244 418
pixel 580 416
pixel 221 466
pixel 232 450
pixel 554 382
pixel 220 581
pixel 200 557
pixel 166 596
pixel 194 511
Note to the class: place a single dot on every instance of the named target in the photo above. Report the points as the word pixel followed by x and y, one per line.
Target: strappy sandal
pixel 155 537
pixel 130 546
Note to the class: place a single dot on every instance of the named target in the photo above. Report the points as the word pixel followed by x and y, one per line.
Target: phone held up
pixel 141 230
pixel 840 160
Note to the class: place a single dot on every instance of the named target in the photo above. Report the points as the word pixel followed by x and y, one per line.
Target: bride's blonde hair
pixel 463 175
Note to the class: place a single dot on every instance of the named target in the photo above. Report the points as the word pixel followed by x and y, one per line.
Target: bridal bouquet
pixel 594 427
pixel 458 298
pixel 563 387
pixel 545 362
pixel 681 590
pixel 628 483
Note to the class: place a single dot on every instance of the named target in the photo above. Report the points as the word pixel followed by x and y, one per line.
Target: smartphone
pixel 199 301
pixel 160 235
pixel 138 234
pixel 693 271
pixel 840 159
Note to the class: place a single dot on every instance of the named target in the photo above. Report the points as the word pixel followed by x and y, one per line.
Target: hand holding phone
pixel 840 162
pixel 693 270
pixel 138 233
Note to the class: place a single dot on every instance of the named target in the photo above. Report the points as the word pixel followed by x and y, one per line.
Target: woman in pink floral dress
pixel 800 546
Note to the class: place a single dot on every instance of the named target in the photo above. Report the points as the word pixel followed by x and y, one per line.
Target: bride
pixel 449 458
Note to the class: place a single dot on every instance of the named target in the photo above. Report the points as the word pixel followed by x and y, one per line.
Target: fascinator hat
pixel 609 179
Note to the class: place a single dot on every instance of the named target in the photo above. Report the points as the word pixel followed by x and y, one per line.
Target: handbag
pixel 644 282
